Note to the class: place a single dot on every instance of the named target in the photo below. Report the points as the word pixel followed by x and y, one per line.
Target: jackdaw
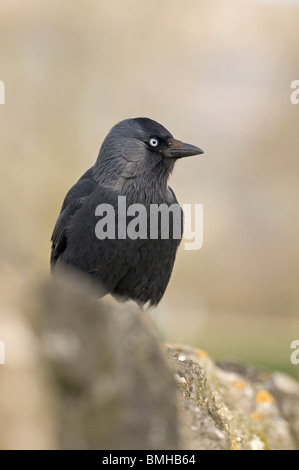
pixel 135 161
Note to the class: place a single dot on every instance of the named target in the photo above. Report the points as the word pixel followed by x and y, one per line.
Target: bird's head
pixel 139 149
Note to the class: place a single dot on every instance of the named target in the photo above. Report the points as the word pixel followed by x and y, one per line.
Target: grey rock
pixel 248 408
pixel 112 381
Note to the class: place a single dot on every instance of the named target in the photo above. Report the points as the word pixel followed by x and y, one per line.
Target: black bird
pixel 135 161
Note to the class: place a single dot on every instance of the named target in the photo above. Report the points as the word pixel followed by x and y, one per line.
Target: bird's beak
pixel 178 149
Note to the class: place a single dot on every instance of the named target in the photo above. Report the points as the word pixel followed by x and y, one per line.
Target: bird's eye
pixel 154 142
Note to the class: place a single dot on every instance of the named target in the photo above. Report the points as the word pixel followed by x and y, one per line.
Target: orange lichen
pixel 263 396
pixel 256 416
pixel 201 353
pixel 239 384
pixel 234 445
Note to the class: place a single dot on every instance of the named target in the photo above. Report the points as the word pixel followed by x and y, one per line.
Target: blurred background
pixel 216 74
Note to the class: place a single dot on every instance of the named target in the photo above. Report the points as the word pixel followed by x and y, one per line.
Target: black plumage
pixel 135 161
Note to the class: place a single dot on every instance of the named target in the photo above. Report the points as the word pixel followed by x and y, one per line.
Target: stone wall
pixel 80 374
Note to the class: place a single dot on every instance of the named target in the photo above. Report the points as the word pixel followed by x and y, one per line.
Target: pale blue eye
pixel 154 142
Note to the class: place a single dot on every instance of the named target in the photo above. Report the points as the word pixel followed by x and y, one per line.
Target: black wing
pixel 72 202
